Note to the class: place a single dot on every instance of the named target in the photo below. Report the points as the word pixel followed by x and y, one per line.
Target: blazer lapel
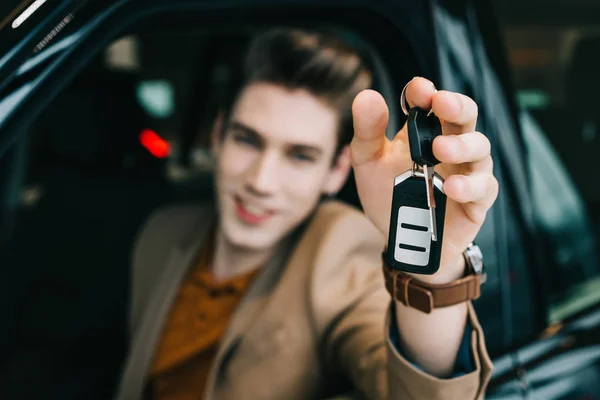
pixel 253 302
pixel 148 333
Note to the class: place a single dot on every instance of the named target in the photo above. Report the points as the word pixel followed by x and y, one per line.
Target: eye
pixel 245 138
pixel 302 157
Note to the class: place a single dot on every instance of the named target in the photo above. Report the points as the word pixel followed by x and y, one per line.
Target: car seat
pixel 69 257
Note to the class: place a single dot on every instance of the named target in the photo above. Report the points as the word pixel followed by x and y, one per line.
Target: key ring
pixel 417 170
pixel 404 103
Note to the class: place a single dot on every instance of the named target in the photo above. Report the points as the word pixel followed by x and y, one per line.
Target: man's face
pixel 275 160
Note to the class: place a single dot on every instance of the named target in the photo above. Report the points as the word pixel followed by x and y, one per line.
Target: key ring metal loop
pixel 417 171
pixel 404 102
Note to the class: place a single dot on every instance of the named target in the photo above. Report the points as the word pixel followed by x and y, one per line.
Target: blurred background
pixel 120 128
pixel 553 48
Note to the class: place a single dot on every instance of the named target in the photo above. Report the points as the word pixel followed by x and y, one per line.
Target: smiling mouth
pixel 251 213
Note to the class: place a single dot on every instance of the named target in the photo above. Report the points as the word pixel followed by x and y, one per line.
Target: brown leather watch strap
pixel 425 296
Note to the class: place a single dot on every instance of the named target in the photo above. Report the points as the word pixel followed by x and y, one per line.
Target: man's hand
pixel 465 164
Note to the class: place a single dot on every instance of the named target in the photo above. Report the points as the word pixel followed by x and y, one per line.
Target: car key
pixel 418 203
pixel 422 130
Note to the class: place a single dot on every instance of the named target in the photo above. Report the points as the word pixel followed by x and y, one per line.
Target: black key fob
pixel 410 245
pixel 422 129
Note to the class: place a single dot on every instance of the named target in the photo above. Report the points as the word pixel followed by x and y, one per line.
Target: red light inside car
pixel 156 145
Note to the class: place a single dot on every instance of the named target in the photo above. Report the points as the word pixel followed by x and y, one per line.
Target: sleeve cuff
pixel 464 360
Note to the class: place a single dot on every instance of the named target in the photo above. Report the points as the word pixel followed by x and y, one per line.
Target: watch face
pixel 475 259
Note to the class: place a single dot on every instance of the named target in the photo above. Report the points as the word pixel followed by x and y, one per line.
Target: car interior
pixel 90 181
pixel 130 133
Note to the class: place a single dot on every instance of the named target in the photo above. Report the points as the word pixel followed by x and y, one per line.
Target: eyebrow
pixel 236 125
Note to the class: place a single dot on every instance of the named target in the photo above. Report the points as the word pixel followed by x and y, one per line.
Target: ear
pixel 339 172
pixel 216 134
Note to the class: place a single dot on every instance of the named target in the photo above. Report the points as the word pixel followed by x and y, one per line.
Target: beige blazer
pixel 315 317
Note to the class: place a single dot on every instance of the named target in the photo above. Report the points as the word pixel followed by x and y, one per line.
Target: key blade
pixel 429 174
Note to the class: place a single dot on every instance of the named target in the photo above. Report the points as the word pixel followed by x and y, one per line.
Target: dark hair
pixel 322 64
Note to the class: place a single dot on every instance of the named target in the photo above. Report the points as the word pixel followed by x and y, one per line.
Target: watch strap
pixel 426 296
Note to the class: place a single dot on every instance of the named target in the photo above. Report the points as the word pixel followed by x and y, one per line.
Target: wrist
pixel 447 273
pixel 452 284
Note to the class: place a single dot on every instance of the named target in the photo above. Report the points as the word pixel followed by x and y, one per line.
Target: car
pixel 104 110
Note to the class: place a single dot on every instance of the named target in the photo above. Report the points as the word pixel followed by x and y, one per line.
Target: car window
pixel 555 63
pixel 106 152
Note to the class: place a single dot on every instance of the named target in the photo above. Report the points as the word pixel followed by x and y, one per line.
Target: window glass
pixel 555 64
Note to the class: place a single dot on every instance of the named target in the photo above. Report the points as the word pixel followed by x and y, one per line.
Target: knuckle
pixel 470 104
pixel 480 145
pixel 474 106
pixel 468 107
pixel 493 187
pixel 488 148
pixel 485 142
pixel 485 187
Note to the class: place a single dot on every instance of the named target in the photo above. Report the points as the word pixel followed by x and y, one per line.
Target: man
pixel 274 293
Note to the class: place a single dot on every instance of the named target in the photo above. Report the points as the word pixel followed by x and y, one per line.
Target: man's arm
pixel 354 320
pixel 430 340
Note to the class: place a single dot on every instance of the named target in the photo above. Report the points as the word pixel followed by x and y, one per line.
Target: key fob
pixel 422 129
pixel 410 246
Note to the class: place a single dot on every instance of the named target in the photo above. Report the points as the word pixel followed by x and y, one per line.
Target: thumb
pixel 370 116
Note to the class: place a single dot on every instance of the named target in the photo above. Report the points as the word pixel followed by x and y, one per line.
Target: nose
pixel 262 176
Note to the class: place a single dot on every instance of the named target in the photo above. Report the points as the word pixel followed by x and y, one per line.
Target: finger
pixel 419 93
pixel 478 188
pixel 370 117
pixel 482 166
pixel 476 192
pixel 457 111
pixel 464 148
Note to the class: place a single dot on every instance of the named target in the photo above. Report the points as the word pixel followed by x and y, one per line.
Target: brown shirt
pixel 196 323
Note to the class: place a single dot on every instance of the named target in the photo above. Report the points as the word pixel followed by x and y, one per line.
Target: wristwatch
pixel 426 296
